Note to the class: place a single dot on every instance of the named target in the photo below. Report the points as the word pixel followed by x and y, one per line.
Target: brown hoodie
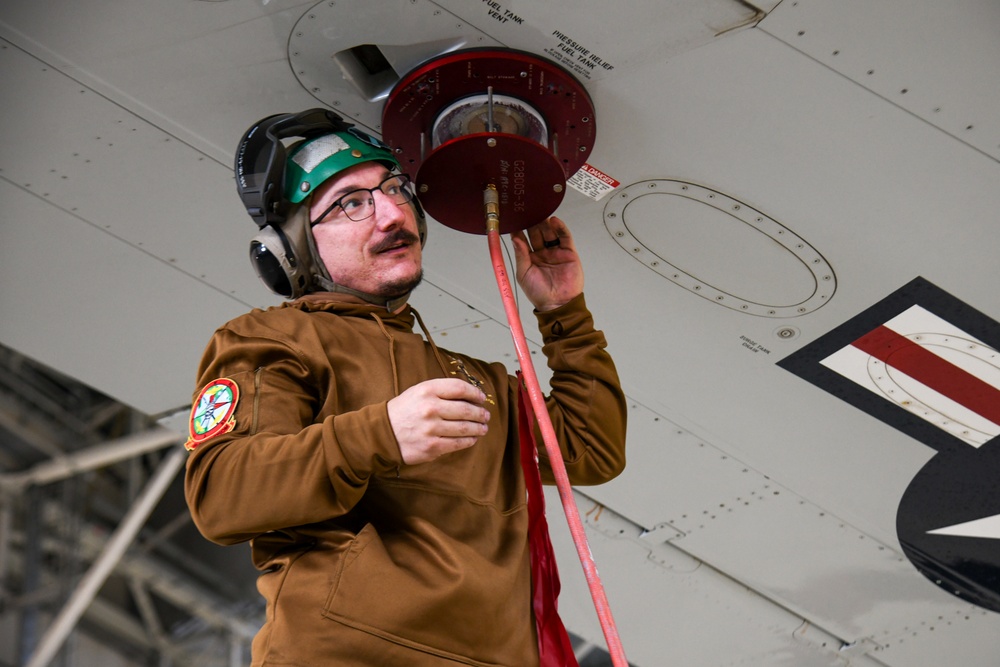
pixel 365 560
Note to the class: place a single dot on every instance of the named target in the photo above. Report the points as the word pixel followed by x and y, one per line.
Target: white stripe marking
pixel 988 528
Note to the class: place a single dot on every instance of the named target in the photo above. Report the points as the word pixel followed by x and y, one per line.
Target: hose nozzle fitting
pixel 491 205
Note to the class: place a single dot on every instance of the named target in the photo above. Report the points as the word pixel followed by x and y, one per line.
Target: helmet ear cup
pixel 275 263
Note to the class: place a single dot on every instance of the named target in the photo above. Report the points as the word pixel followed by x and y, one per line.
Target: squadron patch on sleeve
pixel 213 412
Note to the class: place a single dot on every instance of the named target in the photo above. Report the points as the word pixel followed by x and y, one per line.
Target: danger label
pixel 592 182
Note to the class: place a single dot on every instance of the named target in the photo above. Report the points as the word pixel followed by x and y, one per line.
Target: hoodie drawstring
pixel 427 335
pixel 392 353
pixel 392 348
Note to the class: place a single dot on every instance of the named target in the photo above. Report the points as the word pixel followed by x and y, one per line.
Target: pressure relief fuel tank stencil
pixel 928 364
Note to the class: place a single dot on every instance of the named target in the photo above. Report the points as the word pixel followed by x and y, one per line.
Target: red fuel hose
pixel 549 435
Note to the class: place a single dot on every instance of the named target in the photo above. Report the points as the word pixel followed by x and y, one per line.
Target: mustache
pixel 398 237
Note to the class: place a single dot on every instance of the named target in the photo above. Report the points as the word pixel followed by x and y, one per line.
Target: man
pixel 377 476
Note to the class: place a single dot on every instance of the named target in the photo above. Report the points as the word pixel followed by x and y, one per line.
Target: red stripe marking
pixel 926 367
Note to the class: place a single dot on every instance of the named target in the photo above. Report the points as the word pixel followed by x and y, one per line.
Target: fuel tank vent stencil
pixel 719 248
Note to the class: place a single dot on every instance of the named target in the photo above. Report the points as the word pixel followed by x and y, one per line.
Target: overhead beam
pixel 67 465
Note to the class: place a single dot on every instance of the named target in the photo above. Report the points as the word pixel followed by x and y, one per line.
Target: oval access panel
pixel 719 248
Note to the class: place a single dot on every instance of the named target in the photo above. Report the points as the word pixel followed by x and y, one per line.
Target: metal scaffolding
pixel 95 542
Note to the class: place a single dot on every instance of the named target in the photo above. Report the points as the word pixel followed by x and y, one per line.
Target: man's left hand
pixel 548 268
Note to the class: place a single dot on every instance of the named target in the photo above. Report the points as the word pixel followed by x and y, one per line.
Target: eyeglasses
pixel 360 204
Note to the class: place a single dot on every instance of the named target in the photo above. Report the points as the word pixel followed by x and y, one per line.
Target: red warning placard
pixel 592 182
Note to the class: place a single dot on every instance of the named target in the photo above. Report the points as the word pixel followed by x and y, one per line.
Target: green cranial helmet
pixel 313 161
pixel 274 181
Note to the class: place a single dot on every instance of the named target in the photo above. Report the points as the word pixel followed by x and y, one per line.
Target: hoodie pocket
pixel 357 546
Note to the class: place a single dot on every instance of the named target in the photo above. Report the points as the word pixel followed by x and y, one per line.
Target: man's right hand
pixel 437 417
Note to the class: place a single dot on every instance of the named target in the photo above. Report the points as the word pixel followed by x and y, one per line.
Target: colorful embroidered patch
pixel 213 412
